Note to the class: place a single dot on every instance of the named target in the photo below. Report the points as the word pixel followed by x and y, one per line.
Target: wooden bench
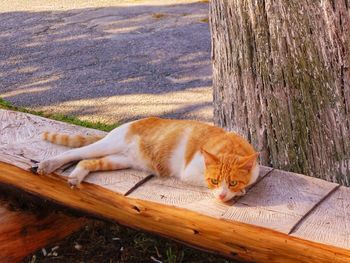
pixel 285 217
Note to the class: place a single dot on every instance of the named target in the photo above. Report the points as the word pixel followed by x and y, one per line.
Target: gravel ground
pixel 109 61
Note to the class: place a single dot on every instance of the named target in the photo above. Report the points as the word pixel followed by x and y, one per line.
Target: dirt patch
pixel 105 242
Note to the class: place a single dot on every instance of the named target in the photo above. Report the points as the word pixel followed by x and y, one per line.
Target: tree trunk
pixel 282 79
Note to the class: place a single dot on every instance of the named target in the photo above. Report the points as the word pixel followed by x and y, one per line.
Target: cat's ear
pixel 248 162
pixel 209 159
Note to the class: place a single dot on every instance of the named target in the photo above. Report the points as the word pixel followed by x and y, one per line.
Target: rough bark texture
pixel 282 79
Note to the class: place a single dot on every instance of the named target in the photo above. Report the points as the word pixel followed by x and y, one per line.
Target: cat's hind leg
pixel 94 150
pixel 108 163
pixel 113 143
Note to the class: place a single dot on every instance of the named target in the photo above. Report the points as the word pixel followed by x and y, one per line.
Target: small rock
pixel 55 248
pixel 78 246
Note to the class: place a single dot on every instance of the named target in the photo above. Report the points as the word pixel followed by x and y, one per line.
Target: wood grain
pixel 330 222
pixel 253 227
pixel 22 233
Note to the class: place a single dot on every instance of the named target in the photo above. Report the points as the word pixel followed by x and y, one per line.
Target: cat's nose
pixel 222 196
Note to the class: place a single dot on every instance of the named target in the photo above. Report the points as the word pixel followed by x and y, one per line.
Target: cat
pixel 195 152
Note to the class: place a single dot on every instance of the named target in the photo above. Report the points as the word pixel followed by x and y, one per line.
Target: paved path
pixel 111 61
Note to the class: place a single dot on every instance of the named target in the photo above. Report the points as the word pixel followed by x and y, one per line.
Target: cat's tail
pixel 70 140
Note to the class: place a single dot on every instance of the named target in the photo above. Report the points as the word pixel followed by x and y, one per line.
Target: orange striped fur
pixel 102 164
pixel 70 140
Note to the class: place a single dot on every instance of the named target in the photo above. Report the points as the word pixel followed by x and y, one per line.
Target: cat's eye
pixel 233 183
pixel 214 181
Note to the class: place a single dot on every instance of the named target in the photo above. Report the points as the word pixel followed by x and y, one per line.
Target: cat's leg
pixel 94 150
pixel 113 143
pixel 108 163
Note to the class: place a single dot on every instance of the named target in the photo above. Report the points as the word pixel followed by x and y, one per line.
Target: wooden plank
pixel 280 200
pixel 330 222
pixel 22 233
pixel 253 228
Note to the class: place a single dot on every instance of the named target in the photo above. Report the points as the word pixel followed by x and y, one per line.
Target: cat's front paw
pixel 47 167
pixel 73 181
pixel 77 176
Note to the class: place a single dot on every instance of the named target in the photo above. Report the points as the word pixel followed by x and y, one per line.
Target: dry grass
pixel 205 20
pixel 59 117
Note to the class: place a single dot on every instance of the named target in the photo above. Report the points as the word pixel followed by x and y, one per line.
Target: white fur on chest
pixel 193 172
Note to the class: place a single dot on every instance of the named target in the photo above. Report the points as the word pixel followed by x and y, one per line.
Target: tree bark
pixel 281 78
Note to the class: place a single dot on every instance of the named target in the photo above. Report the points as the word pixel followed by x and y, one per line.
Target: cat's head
pixel 228 175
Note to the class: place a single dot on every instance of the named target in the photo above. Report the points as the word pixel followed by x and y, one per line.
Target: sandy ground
pixel 110 61
pixel 64 5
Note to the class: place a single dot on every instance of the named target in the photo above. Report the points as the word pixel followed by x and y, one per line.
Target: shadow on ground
pixel 117 63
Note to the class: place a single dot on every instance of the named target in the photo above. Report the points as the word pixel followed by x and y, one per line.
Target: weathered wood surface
pixel 330 221
pixel 254 227
pixel 279 201
pixel 22 233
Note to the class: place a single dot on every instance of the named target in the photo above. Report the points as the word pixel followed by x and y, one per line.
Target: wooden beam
pixel 23 232
pixel 231 238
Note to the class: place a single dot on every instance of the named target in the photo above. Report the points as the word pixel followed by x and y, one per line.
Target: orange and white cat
pixel 192 151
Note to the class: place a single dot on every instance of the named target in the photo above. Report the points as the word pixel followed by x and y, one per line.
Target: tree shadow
pixel 85 57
